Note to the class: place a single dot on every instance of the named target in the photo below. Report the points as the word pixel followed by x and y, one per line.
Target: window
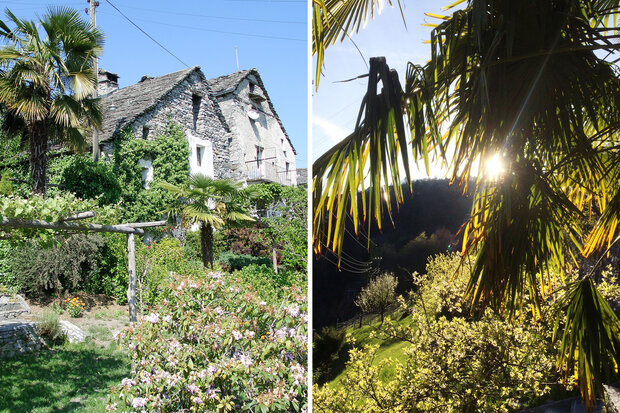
pixel 259 156
pixel 145 132
pixel 200 150
pixel 285 154
pixel 196 100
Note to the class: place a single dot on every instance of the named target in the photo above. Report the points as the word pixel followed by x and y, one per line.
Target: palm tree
pixel 211 203
pixel 46 82
pixel 520 82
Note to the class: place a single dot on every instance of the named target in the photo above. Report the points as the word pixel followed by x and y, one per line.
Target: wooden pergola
pixel 130 229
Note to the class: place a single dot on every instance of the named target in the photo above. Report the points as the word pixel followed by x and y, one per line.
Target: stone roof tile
pixel 123 106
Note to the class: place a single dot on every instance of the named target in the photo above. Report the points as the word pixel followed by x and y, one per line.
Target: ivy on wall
pixel 169 154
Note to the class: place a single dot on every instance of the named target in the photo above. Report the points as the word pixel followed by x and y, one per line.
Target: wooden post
pixel 275 261
pixel 131 270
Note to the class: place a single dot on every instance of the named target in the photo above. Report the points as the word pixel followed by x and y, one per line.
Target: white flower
pixel 237 335
pixel 128 382
pixel 219 310
pixel 111 407
pixel 138 402
pixel 167 318
pixel 192 388
pixel 249 334
pixel 212 369
pixel 262 303
pixel 197 400
pixel 152 318
pixel 293 310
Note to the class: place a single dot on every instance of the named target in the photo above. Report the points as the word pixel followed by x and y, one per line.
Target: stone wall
pixel 18 337
pixel 208 131
pixel 264 131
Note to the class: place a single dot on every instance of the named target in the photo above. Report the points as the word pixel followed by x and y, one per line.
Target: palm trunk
pixel 38 155
pixel 206 244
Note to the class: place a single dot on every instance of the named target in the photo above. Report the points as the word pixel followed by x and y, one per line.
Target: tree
pixel 377 296
pixel 518 82
pixel 211 203
pixel 46 82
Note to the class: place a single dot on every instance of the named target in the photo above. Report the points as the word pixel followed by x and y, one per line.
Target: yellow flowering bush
pixel 75 306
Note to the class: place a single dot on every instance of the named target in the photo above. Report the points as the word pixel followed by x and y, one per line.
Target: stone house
pixel 269 155
pixel 220 144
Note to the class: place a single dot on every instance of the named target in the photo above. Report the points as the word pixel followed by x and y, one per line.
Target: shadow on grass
pixel 68 378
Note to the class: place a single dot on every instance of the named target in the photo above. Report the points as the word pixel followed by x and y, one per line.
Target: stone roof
pixel 123 106
pixel 226 84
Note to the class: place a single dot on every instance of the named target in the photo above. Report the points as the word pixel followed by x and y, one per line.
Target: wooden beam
pixel 71 226
pixel 145 224
pixel 131 270
pixel 79 215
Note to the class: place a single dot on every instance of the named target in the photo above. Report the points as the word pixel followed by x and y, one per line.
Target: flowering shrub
pixel 216 344
pixel 75 306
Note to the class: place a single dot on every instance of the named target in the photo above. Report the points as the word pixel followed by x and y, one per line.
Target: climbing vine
pixel 168 153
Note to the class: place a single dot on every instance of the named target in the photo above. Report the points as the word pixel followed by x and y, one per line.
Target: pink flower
pixel 197 400
pixel 152 318
pixel 192 388
pixel 237 335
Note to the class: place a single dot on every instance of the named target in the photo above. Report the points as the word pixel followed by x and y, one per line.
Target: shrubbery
pixel 90 180
pixel 217 344
pixel 231 261
pixel 454 361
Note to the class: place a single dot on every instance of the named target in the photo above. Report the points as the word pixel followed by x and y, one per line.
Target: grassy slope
pixel 387 348
pixel 72 377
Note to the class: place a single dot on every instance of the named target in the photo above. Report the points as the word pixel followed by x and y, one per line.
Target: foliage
pixel 168 152
pixel 330 350
pixel 49 328
pixel 7 276
pixel 212 203
pixel 289 227
pixel 156 262
pixel 65 266
pixel 271 285
pixel 378 295
pixel 452 362
pixel 211 347
pixel 91 180
pixel 473 102
pixel 110 276
pixel 231 261
pixel 254 240
pixel 75 306
pixel 441 291
pixel 451 366
pixel 46 84
pixel 50 209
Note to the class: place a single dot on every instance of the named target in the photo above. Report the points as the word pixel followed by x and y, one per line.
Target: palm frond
pixel 333 19
pixel 590 347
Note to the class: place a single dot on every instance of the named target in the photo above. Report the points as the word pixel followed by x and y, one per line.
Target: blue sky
pixel 270 35
pixel 336 105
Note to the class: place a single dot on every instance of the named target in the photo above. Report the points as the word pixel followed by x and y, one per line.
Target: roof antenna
pixel 237 54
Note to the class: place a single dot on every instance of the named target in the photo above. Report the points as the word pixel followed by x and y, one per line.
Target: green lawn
pixel 69 378
pixel 391 348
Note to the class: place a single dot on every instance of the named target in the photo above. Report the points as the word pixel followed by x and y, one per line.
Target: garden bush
pixel 65 266
pixel 156 263
pixel 261 276
pixel 216 344
pixel 231 261
pixel 48 327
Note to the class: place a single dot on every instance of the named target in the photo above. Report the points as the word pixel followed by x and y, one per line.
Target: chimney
pixel 107 82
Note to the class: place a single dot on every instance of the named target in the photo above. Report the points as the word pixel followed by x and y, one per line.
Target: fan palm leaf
pixel 212 203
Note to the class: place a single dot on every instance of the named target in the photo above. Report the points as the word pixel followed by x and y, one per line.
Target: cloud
pixel 333 132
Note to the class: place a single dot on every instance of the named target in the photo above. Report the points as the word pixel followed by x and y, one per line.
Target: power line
pixel 216 17
pixel 220 31
pixel 147 35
